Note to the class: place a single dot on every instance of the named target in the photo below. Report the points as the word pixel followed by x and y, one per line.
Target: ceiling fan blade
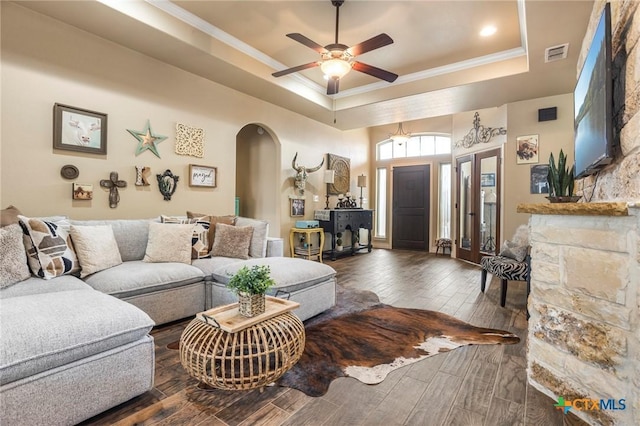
pixel 332 86
pixel 376 72
pixel 295 69
pixel 307 42
pixel 373 43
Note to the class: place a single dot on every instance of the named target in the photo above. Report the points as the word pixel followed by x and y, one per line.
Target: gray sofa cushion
pixel 207 266
pixel 131 235
pixel 45 331
pixel 290 274
pixel 138 277
pixel 35 285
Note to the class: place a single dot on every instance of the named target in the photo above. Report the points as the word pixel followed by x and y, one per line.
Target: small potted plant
pixel 251 284
pixel 560 180
pixel 339 246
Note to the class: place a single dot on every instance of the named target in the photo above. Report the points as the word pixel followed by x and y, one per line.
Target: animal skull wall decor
pixel 302 173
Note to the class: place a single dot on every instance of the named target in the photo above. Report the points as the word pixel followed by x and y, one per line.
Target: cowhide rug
pixel 365 339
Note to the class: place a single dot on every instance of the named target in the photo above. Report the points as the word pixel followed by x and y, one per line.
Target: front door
pixel 411 207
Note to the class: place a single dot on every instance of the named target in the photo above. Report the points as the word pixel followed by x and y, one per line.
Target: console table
pixel 340 220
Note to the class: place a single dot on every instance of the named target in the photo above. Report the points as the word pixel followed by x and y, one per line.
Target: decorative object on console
pixel 189 140
pixel 346 202
pixel 80 130
pixel 147 140
pixel 329 178
pixel 69 172
pixel 82 191
pixel 527 149
pixel 339 246
pixel 113 184
pixel 167 183
pixel 302 173
pixel 342 168
pixel 297 206
pixel 479 133
pixel 362 183
pixel 205 176
pixel 142 172
pixel 251 285
pixel 400 136
pixel 561 180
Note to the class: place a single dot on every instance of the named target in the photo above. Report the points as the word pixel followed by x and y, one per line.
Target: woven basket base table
pixel 228 351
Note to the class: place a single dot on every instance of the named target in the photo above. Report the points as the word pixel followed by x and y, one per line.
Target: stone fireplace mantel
pixel 584 334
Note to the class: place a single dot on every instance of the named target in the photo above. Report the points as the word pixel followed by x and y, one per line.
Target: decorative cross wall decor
pixel 113 184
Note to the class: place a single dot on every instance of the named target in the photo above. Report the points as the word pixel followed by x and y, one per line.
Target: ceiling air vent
pixel 555 53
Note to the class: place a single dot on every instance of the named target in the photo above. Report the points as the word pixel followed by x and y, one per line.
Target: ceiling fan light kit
pixel 338 59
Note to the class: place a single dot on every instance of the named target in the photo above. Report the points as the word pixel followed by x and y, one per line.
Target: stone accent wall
pixel 621 180
pixel 584 334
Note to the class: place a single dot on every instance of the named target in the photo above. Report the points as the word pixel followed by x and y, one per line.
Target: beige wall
pixel 45 61
pixel 522 119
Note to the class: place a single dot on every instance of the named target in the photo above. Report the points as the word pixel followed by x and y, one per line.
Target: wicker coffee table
pixel 228 351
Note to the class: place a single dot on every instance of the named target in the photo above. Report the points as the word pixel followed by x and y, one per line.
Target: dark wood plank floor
pixel 473 385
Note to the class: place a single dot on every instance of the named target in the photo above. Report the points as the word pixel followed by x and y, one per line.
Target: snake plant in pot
pixel 251 285
pixel 561 179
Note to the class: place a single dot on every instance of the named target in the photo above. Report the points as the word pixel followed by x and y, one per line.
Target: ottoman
pixel 311 284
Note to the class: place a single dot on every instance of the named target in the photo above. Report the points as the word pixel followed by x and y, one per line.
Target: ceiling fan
pixel 337 59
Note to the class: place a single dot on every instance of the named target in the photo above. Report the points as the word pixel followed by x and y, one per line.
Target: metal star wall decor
pixel 147 140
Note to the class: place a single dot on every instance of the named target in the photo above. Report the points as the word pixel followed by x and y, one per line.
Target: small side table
pixel 308 252
pixel 227 351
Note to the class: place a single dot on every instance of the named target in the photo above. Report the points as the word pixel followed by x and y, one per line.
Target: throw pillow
pixel 9 216
pixel 232 241
pixel 213 221
pixel 169 243
pixel 258 246
pixel 13 267
pixel 513 250
pixel 49 248
pixel 96 248
pixel 200 239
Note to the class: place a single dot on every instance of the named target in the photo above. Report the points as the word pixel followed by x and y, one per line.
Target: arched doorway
pixel 258 174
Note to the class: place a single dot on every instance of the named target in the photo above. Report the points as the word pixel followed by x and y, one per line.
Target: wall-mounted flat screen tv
pixel 593 103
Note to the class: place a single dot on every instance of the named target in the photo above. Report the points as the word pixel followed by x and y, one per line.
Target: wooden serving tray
pixel 228 317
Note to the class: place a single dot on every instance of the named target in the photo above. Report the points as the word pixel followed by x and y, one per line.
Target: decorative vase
pixel 251 305
pixel 339 248
pixel 564 199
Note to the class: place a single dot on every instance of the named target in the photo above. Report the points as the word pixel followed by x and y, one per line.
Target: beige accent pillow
pixel 232 241
pixel 169 243
pixel 9 216
pixel 96 248
pixel 13 266
pixel 200 240
pixel 213 220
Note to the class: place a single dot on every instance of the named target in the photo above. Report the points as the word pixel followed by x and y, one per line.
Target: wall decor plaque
pixel 342 167
pixel 69 172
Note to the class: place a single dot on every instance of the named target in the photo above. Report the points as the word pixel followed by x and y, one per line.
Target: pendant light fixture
pixel 400 136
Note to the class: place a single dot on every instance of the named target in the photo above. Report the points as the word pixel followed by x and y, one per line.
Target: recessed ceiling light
pixel 488 30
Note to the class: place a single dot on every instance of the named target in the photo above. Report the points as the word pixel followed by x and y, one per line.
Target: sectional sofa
pixel 74 328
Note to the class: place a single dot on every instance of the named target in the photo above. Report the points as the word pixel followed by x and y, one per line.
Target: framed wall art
pixel 297 206
pixel 80 130
pixel 527 149
pixel 488 179
pixel 539 184
pixel 82 191
pixel 204 176
pixel 342 177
